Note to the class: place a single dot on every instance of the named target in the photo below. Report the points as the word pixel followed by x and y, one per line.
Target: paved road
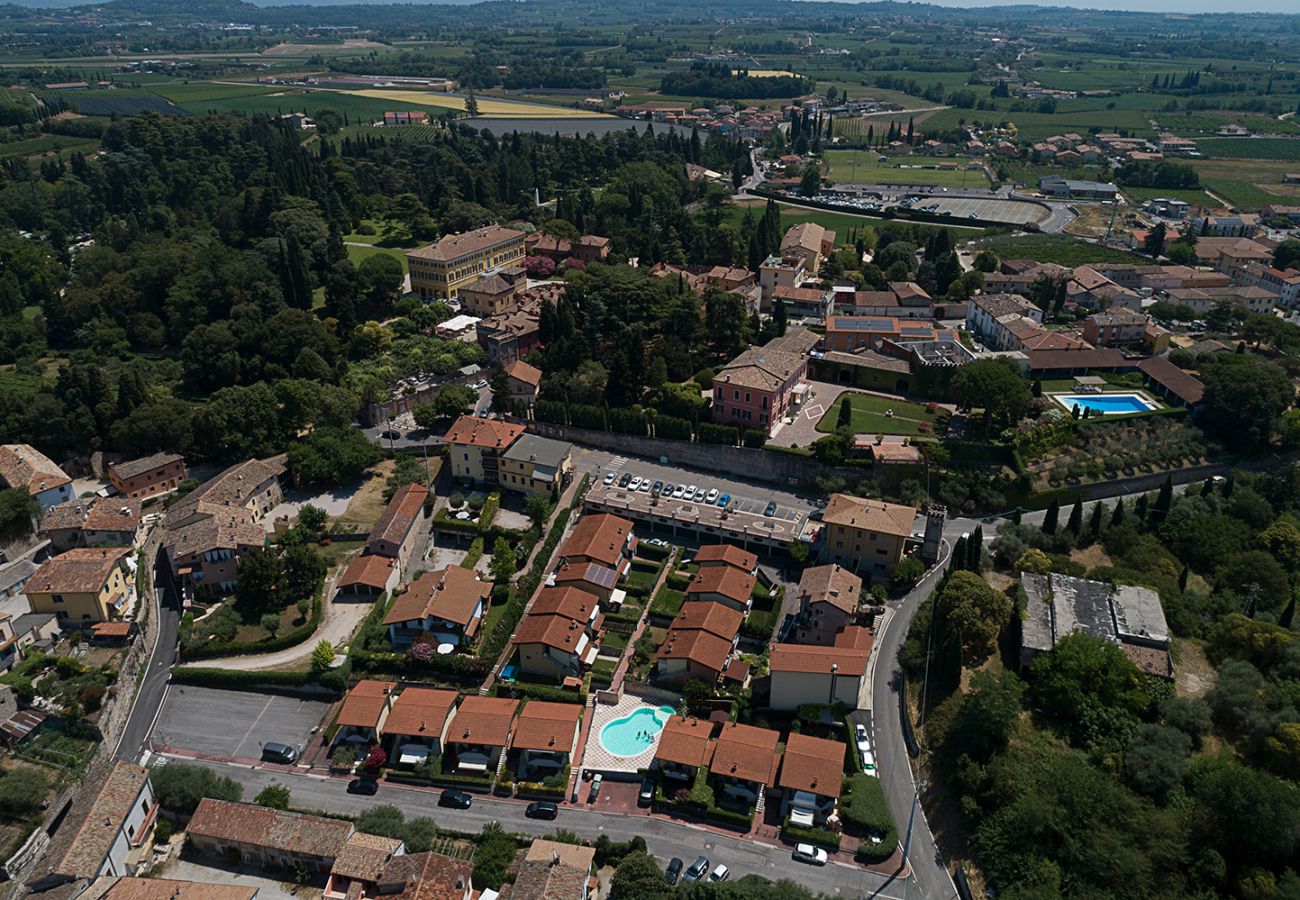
pixel 664 838
pixel 157 674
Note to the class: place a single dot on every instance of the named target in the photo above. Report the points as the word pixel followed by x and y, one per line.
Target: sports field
pixel 865 167
pixel 500 109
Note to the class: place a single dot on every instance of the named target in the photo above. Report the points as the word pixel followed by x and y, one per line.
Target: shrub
pixel 162 832
pixel 456 501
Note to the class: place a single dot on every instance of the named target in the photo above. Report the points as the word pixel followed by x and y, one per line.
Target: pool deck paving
pixel 594 755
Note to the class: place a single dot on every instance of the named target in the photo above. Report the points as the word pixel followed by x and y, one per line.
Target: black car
pixel 674 870
pixel 658 488
pixel 647 793
pixel 455 799
pixel 542 809
pixel 363 786
pixel 625 480
pixel 771 509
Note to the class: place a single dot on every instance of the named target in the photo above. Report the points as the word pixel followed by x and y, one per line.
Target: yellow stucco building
pixel 86 584
pixel 441 269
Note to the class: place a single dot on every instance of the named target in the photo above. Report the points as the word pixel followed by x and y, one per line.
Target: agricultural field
pixel 1190 196
pixel 1247 183
pixel 202 92
pixel 487 106
pixel 1207 122
pixel 1051 248
pixel 865 167
pixel 120 102
pixel 1251 148
pixel 1034 126
pixel 45 144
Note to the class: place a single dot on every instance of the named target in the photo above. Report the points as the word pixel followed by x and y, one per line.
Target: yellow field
pixel 769 73
pixel 486 105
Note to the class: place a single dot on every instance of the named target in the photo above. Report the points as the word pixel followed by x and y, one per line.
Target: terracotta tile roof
pixel 365 703
pixel 112 629
pixel 400 515
pixel 599 537
pixel 451 593
pixel 271 829
pixel 546 726
pixel 132 468
pixel 761 369
pixel 553 871
pixel 364 856
pixel 425 876
pixel 1083 358
pixel 686 741
pixel 483 720
pixel 570 602
pixel 489 434
pixel 1187 388
pixel 813 660
pixel 559 632
pixel 853 637
pixel 746 752
pixel 711 616
pixel 112 887
pixel 587 573
pixel 371 571
pixel 908 290
pixel 231 486
pixel 420 712
pixel 805 236
pixel 812 764
pixel 870 515
pixel 708 650
pixel 522 371
pixel 100 514
pixel 454 246
pixel 722 580
pixel 97 814
pixel 727 554
pixel 23 466
pixel 79 570
pixel 831 584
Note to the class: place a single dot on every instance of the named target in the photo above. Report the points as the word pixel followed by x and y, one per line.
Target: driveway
pixel 802 432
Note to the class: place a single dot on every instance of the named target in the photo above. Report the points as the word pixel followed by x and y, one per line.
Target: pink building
pixel 761 386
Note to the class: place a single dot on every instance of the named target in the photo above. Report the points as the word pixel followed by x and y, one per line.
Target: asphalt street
pixel 665 839
pixel 157 673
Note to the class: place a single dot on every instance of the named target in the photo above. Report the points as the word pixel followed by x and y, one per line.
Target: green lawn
pixel 869 416
pixel 841 223
pixel 357 254
pixel 387 234
pixel 1054 248
pixel 865 167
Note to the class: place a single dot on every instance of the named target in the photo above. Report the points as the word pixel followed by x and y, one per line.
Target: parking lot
pixel 234 723
pixel 1013 212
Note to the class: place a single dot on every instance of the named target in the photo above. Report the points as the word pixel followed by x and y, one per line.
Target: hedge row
pixel 235 680
pixel 537 692
pixel 473 554
pixel 458 665
pixel 822 837
pixel 271 645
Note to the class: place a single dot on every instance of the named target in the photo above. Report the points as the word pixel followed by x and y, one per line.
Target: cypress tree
pixel 1017 514
pixel 1164 500
pixel 1140 508
pixel 975 549
pixel 959 553
pixel 845 417
pixel 1052 519
pixel 1094 524
pixel 1182 578
pixel 1208 488
pixel 781 317
pixel 1117 517
pixel 1075 523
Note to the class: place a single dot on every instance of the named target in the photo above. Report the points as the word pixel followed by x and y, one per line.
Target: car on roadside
pixel 274 751
pixel 367 786
pixel 478 385
pixel 541 809
pixel 674 870
pixel 770 510
pixel 646 795
pixel 868 762
pixel 696 870
pixel 720 873
pixel 712 496
pixel 724 500
pixel 807 853
pixel 455 799
pixel 610 477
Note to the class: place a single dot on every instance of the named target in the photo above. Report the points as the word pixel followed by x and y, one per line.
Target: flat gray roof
pixel 539 450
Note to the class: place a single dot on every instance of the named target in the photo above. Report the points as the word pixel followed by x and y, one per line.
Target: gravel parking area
pixel 234 723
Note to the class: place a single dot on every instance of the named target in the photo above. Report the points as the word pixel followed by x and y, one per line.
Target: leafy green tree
pixel 322 656
pixel 332 456
pixel 18 509
pixel 1155 759
pixel 908 571
pixel 380 278
pixel 503 563
pixel 638 877
pixel 180 786
pixel 844 418
pixel 452 400
pixel 987 715
pixel 1081 675
pixel 538 508
pixel 274 796
pixel 974 611
pixel 1253 815
pixel 986 261
pixel 259 580
pixel 270 623
pixel 1244 397
pixel 22 791
pixel 810 184
pixel 312 517
pixel 995 386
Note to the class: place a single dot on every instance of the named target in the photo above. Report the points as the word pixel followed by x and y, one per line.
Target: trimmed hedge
pixel 235 680
pixel 271 645
pixel 862 807
pixel 458 665
pixel 652 552
pixel 538 692
pixel 822 837
pixel 473 554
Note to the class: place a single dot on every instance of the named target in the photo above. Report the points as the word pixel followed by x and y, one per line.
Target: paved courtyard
pixel 234 723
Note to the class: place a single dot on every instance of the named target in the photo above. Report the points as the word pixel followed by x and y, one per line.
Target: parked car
pixel 595 788
pixel 807 853
pixel 610 478
pixel 679 491
pixel 696 870
pixel 712 495
pixel 647 793
pixel 771 509
pixel 724 500
pixel 657 489
pixel 478 385
pixel 541 809
pixel 690 491
pixel 627 476
pixel 868 762
pixel 674 870
pixel 455 799
pixel 367 786
pixel 391 435
pixel 719 873
pixel 668 490
pixel 645 485
pixel 636 484
pixel 699 495
pixel 273 751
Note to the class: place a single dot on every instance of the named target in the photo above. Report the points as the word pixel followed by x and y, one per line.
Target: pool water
pixel 1107 404
pixel 635 733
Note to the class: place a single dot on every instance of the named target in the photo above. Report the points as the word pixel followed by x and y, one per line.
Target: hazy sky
pixel 1171 6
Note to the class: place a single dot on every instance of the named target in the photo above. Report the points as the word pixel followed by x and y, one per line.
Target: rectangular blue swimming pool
pixel 1106 404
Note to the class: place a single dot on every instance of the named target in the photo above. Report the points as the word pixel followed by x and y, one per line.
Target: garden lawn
pixel 357 254
pixel 869 416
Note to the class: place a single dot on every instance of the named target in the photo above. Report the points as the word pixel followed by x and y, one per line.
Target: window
pixel 58 598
